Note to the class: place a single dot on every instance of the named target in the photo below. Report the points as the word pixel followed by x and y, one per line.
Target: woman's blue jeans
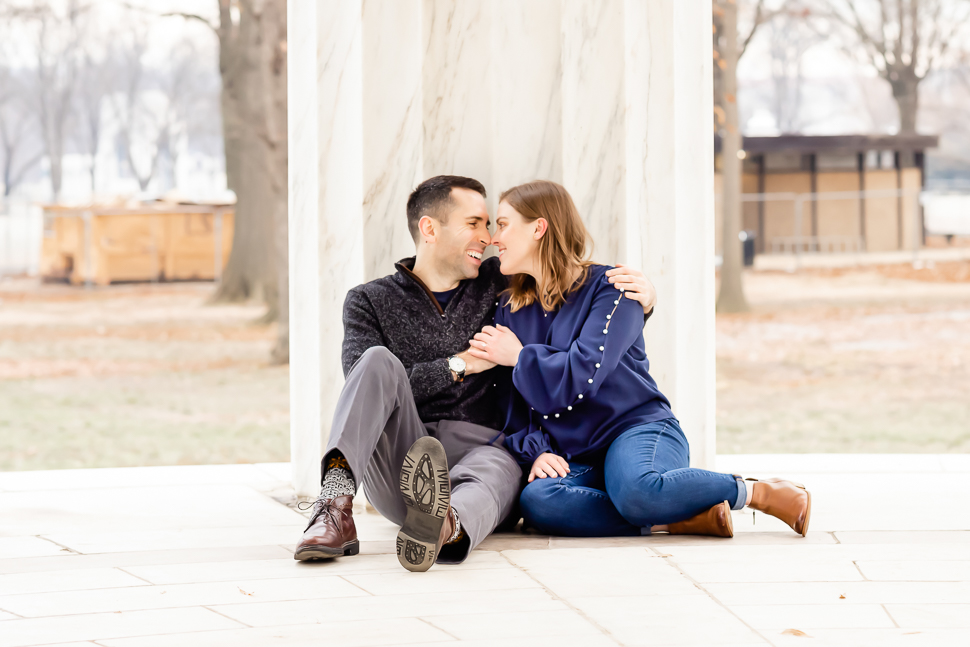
pixel 643 480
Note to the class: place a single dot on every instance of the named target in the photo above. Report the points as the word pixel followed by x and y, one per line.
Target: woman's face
pixel 516 240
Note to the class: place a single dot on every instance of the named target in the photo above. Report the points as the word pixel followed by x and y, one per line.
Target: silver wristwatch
pixel 457 365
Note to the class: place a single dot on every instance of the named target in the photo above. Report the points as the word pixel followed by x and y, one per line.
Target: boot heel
pixel 415 555
pixel 352 549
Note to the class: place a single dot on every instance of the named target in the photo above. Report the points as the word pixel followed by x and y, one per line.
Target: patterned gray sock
pixel 338 481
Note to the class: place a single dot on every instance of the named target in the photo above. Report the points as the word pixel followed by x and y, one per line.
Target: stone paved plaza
pixel 201 555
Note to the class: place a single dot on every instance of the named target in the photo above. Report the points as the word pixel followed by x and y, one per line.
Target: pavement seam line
pixel 62 546
pixel 856 564
pixel 683 573
pixel 555 596
pixel 357 586
pixel 13 614
pixel 433 625
pixel 209 608
pixel 118 568
pixel 895 624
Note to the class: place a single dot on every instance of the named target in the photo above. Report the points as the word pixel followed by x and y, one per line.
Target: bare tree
pixel 252 61
pixel 788 42
pixel 903 41
pixel 18 133
pixel 252 64
pixel 189 94
pixel 728 51
pixel 140 130
pixel 59 30
pixel 90 100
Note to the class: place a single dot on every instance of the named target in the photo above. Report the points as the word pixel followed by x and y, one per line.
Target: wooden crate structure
pixel 151 243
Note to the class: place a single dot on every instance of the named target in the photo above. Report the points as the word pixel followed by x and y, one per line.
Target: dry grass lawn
pixel 848 361
pixel 827 361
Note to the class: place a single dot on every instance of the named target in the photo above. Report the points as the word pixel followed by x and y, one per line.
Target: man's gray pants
pixel 376 422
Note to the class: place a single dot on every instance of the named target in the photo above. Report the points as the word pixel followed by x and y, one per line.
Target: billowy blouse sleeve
pixel 551 379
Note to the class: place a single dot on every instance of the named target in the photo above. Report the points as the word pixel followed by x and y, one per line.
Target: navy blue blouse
pixel 582 377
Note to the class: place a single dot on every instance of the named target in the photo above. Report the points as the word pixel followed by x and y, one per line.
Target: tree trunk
pixel 253 67
pixel 279 162
pixel 56 170
pixel 908 104
pixel 905 88
pixel 281 350
pixel 731 295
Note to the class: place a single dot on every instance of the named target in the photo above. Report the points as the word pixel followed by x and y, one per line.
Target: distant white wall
pixel 947 213
pixel 21 232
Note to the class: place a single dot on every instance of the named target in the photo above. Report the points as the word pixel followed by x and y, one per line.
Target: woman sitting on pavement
pixel 604 452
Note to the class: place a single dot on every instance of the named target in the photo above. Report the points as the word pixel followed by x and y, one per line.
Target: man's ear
pixel 427 227
pixel 542 226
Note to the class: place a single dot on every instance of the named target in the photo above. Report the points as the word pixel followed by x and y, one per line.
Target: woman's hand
pixel 496 344
pixel 548 465
pixel 635 285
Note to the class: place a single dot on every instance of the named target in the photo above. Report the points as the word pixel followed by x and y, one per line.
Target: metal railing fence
pixel 799 243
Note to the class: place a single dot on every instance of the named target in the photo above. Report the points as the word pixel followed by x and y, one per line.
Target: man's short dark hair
pixel 433 195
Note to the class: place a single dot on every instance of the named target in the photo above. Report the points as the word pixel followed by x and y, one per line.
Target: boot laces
pixel 322 506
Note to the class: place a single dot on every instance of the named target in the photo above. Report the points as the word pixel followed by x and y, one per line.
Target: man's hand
pixel 548 465
pixel 496 344
pixel 635 286
pixel 473 364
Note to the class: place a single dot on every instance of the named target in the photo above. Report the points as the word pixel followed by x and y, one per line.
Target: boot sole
pixel 311 553
pixel 808 513
pixel 426 490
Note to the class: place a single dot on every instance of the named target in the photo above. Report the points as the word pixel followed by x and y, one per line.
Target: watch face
pixel 456 364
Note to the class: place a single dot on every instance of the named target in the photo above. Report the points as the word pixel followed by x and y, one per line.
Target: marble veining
pixel 526 92
pixel 593 118
pixel 456 84
pixel 393 140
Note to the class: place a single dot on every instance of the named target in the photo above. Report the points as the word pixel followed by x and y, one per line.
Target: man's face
pixel 462 236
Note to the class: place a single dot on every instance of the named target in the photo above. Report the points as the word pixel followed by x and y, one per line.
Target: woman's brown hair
pixel 562 250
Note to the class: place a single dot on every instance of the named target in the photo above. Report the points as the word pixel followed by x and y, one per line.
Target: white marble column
pixel 673 62
pixel 325 80
pixel 638 159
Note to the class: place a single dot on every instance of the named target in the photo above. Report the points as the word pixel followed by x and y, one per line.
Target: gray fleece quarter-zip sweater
pixel 400 313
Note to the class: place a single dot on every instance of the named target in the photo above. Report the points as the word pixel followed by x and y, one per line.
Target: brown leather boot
pixel 713 522
pixel 331 531
pixel 426 489
pixel 786 500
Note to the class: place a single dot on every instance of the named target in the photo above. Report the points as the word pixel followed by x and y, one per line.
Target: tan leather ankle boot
pixel 786 500
pixel 713 522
